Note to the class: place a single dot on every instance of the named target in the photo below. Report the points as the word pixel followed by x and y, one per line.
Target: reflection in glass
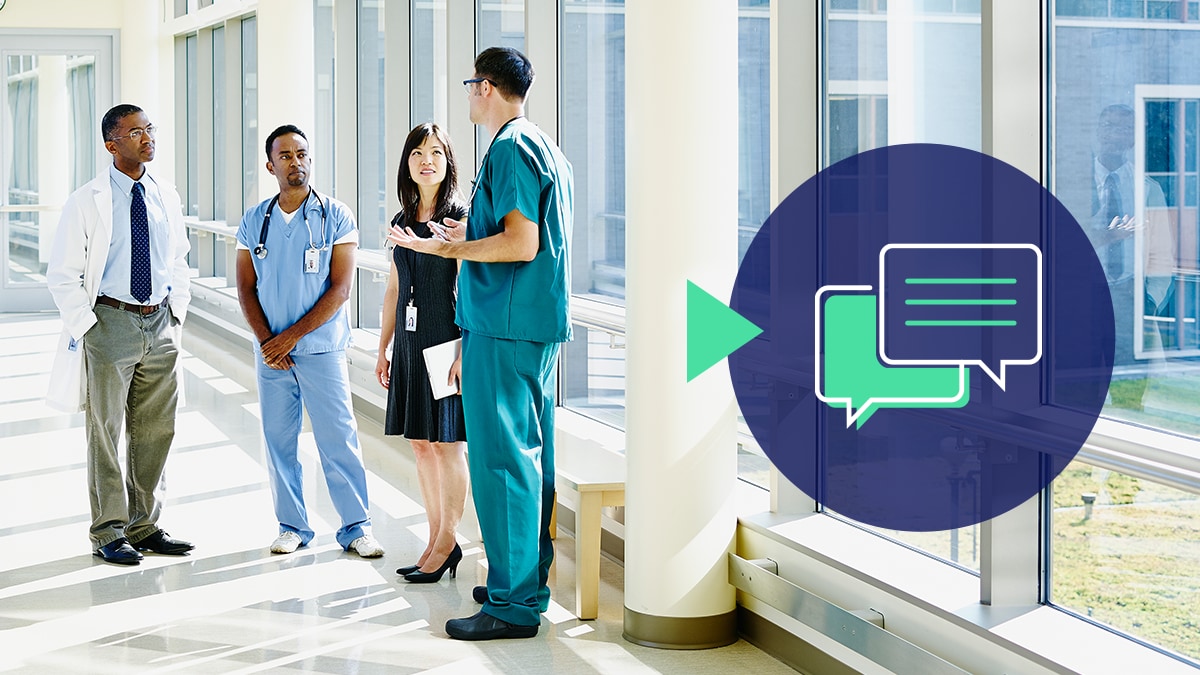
pixel 1126 553
pixel 1125 165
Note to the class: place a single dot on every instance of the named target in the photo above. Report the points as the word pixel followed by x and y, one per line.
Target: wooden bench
pixel 588 477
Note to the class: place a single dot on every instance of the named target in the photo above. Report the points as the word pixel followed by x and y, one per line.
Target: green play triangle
pixel 714 331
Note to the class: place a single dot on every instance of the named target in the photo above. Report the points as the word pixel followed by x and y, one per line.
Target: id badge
pixel 312 260
pixel 410 319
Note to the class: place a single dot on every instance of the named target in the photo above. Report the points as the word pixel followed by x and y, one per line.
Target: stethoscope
pixel 260 251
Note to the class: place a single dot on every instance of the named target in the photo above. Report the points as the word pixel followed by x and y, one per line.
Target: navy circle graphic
pixel 984 279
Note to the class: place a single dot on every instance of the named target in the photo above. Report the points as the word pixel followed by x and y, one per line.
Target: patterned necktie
pixel 139 244
pixel 1112 210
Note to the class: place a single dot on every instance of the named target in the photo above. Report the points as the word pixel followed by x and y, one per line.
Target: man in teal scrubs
pixel 513 309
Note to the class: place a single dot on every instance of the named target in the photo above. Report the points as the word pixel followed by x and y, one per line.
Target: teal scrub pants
pixel 508 403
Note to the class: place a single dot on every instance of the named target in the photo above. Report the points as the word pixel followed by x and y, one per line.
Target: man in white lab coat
pixel 119 275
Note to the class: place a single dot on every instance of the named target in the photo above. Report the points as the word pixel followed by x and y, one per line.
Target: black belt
pixel 130 307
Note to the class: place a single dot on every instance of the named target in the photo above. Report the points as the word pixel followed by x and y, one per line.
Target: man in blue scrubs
pixel 513 294
pixel 295 267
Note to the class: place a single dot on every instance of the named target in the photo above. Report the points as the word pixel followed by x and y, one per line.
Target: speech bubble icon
pixel 961 304
pixel 850 374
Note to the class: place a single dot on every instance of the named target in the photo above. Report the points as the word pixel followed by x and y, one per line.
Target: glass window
pixel 191 198
pixel 372 126
pixel 592 136
pixel 81 88
pixel 325 59
pixel 925 89
pixel 499 23
pixel 1125 165
pixel 219 154
pixel 593 375
pixel 251 159
pixel 1126 553
pixel 754 119
pixel 430 72
pixel 754 174
pixel 219 113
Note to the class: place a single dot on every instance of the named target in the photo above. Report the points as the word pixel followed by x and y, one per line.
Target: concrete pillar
pixel 681 185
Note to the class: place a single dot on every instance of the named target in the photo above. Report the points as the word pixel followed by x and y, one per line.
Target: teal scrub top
pixel 523 170
pixel 285 291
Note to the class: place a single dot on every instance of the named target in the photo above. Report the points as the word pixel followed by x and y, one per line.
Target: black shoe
pixel 451 564
pixel 407 569
pixel 479 594
pixel 119 552
pixel 486 627
pixel 161 543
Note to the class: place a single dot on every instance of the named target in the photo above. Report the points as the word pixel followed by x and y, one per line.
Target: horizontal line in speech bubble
pixel 960 281
pixel 956 301
pixel 931 322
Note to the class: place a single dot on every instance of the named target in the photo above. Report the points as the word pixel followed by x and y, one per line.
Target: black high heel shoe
pixel 407 569
pixel 435 576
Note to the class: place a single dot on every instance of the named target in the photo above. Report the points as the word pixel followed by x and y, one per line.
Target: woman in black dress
pixel 418 310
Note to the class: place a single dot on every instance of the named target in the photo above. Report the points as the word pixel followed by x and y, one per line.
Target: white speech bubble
pixel 851 414
pixel 998 378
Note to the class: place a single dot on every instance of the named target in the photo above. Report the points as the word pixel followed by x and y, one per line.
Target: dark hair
pixel 406 187
pixel 508 70
pixel 1117 109
pixel 280 131
pixel 112 118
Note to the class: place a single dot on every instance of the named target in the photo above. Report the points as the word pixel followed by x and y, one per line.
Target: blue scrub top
pixel 523 170
pixel 285 291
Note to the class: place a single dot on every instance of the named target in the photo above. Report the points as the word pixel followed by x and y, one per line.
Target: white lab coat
pixel 77 259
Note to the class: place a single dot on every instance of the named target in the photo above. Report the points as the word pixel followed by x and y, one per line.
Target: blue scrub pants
pixel 320 383
pixel 508 403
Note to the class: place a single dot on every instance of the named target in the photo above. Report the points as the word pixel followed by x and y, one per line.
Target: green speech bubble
pixel 855 379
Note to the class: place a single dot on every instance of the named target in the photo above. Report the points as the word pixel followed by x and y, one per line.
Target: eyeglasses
pixel 476 80
pixel 136 134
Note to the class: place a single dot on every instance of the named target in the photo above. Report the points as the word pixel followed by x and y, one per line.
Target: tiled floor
pixel 232 606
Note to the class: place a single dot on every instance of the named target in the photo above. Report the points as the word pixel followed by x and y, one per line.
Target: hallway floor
pixel 232 606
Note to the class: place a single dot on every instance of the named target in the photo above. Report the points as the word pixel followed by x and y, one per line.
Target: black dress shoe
pixel 479 594
pixel 486 627
pixel 119 552
pixel 161 543
pixel 407 569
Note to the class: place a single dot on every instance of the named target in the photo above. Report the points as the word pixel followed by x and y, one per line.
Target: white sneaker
pixel 286 542
pixel 367 547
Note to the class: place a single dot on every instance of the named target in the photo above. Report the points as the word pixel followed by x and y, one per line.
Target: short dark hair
pixel 406 188
pixel 112 118
pixel 507 69
pixel 281 131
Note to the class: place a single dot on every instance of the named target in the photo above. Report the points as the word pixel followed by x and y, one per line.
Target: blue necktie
pixel 139 244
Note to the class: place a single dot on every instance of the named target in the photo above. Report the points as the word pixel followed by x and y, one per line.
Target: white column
pixel 1009 565
pixel 681 185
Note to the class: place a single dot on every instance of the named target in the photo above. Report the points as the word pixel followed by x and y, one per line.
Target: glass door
pixel 56 87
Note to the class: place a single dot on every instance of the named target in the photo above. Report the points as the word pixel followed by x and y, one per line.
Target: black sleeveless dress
pixel 429 281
